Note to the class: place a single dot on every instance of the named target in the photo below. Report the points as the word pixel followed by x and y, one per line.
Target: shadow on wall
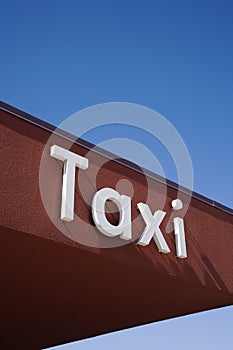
pixel 197 268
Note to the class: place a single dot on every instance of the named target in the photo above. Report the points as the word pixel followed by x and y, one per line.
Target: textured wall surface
pixel 55 289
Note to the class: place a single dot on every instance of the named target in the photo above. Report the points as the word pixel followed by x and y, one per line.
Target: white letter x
pixel 152 228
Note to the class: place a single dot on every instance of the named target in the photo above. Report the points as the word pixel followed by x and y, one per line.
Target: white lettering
pixel 123 203
pixel 179 231
pixel 71 161
pixel 152 228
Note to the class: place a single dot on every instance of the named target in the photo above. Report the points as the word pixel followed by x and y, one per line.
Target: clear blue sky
pixel 59 56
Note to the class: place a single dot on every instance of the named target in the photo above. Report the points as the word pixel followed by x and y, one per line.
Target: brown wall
pixel 57 290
